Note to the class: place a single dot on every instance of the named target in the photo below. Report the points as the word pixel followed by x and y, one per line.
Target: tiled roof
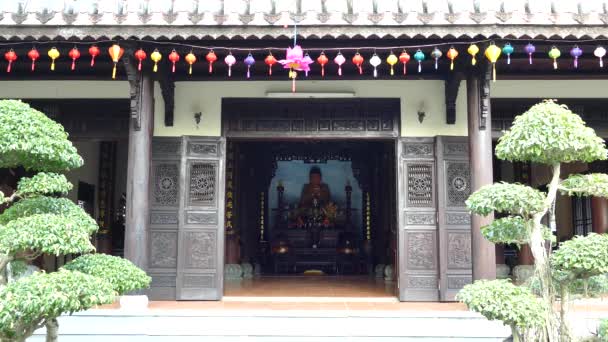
pixel 316 18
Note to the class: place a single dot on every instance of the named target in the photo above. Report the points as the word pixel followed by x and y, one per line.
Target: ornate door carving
pixel 200 260
pixel 417 202
pixel 454 220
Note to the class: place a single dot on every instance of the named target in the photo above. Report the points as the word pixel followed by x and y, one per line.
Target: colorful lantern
pixel 322 59
pixel 392 60
pixel 358 61
pixel 10 57
pixel 375 61
pixel 211 58
pixel 270 61
pixel 53 54
pixel 508 50
pixel 94 52
pixel 554 54
pixel 436 54
pixel 190 59
pixel 339 59
pixel 473 50
pixel 173 58
pixel 576 52
pixel 492 53
pixel 308 61
pixel 294 61
pixel 155 56
pixel 33 55
pixel 230 61
pixel 115 52
pixel 419 56
pixel 140 55
pixel 74 55
pixel 452 54
pixel 249 61
pixel 404 57
pixel 530 49
pixel 600 52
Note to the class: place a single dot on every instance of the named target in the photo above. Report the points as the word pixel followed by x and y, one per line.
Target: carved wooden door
pixel 417 212
pixel 454 220
pixel 200 265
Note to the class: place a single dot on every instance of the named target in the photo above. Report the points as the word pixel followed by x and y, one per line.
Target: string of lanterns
pixel 297 60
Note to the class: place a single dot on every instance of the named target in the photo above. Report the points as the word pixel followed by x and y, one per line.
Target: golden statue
pixel 315 193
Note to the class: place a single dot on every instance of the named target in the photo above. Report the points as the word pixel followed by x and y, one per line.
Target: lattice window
pixel 458 183
pixel 202 184
pixel 420 185
pixel 165 185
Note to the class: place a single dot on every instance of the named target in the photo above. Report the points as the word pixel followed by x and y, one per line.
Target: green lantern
pixel 554 54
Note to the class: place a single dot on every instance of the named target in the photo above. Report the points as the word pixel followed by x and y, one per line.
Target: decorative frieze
pixel 417 219
pixel 458 282
pixel 163 218
pixel 458 219
pixel 202 149
pixel 163 249
pixel 163 280
pixel 422 282
pixel 200 249
pixel 459 250
pixel 201 218
pixel 198 281
pixel 420 250
pixel 418 150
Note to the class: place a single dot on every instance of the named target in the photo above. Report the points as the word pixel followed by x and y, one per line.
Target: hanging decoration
pixel 230 61
pixel 94 52
pixel 211 58
pixel 508 50
pixel 33 54
pixel 173 58
pixel 600 52
pixel 308 61
pixel 249 61
pixel 155 56
pixel 140 55
pixel 294 61
pixel 74 55
pixel 339 59
pixel 322 59
pixel 375 61
pixel 473 50
pixel 419 56
pixel 452 54
pixel 190 59
pixel 492 53
pixel 270 61
pixel 554 54
pixel 392 60
pixel 576 52
pixel 115 52
pixel 436 54
pixel 358 61
pixel 10 57
pixel 404 58
pixel 53 54
pixel 530 49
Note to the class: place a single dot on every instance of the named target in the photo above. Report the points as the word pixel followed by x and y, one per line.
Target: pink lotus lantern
pixel 295 61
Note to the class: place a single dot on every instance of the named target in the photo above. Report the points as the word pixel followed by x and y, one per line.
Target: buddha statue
pixel 315 194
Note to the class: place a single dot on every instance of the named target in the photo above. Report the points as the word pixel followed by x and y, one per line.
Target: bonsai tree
pixel 550 134
pixel 38 221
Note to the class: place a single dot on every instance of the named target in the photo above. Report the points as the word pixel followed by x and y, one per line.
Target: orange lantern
pixel 115 52
pixel 190 59
pixel 358 61
pixel 452 54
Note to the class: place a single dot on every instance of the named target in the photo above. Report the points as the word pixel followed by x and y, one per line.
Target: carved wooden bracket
pixel 135 78
pixel 452 83
pixel 484 85
pixel 167 87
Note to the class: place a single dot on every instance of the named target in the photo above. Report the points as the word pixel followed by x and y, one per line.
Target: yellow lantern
pixel 54 54
pixel 392 60
pixel 492 53
pixel 473 50
pixel 115 52
pixel 155 57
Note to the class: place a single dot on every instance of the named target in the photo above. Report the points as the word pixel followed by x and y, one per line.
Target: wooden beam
pixel 167 88
pixel 452 83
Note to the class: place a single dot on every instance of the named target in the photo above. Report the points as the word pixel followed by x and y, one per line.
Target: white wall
pixel 550 89
pixel 64 89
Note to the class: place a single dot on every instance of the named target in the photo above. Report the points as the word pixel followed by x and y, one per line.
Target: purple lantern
pixel 530 49
pixel 249 61
pixel 307 60
pixel 576 52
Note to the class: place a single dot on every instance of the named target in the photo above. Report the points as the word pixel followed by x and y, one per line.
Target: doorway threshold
pixel 310 299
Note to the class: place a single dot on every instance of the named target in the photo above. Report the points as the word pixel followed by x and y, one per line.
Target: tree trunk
pixel 52 330
pixel 4 260
pixel 564 328
pixel 515 334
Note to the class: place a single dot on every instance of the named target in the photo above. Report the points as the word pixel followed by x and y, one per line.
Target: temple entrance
pixel 311 218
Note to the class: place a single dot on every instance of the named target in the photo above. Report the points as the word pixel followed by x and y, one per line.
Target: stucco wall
pixel 64 89
pixel 551 89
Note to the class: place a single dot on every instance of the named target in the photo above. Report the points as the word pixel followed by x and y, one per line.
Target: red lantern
pixel 74 55
pixel 404 57
pixel 140 55
pixel 33 55
pixel 94 52
pixel 174 58
pixel 190 59
pixel 115 52
pixel 358 61
pixel 322 59
pixel 270 61
pixel 211 57
pixel 10 56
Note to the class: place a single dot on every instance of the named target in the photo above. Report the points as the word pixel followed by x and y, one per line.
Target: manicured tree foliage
pixel 550 134
pixel 38 221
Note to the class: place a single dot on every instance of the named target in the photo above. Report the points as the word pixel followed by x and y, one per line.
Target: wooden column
pixel 599 214
pixel 480 149
pixel 138 166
